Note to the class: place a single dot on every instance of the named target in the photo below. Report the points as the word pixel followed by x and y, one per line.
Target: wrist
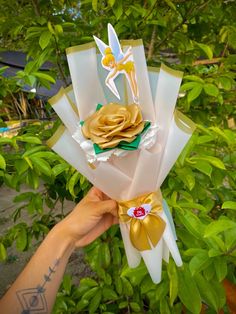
pixel 62 241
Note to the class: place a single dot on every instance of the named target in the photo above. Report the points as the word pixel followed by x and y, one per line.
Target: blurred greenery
pixel 197 37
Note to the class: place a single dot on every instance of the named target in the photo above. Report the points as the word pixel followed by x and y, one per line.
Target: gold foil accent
pixel 80 47
pixel 91 165
pixel 131 42
pixel 147 232
pixel 73 106
pixel 184 123
pixel 56 136
pixel 69 88
pixel 53 100
pixel 175 73
pixel 112 124
pixel 153 69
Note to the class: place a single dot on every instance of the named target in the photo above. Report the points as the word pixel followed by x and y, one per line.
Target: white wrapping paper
pixel 141 171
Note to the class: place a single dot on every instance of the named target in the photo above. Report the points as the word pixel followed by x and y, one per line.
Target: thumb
pixel 108 206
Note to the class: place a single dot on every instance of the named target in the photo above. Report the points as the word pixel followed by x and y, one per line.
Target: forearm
pixel 37 285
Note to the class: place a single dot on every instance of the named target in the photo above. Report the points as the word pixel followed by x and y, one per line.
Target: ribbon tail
pixel 138 235
pixel 154 227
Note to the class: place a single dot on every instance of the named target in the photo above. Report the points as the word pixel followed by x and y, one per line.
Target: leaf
pixel 118 9
pixel 173 277
pixel 135 275
pixel 207 291
pixel 58 29
pixel 42 165
pixel 67 284
pixel 3 252
pixel 188 86
pixel 95 302
pixel 109 294
pixel 111 2
pixel 192 223
pixel 127 287
pixel 218 226
pixel 21 241
pixel 223 134
pixel 23 197
pixel 58 169
pixel 44 39
pixel 29 139
pixel 199 262
pixel 21 166
pixel 44 76
pixel 81 305
pixel 229 205
pixel 72 182
pixel 186 175
pixel 105 254
pixel 216 162
pixel 33 150
pixel 206 49
pixel 221 269
pixel 147 284
pixel 225 83
pixel 90 293
pixel 194 93
pixel 135 306
pixel 95 5
pixel 211 89
pixel 194 78
pixel 203 166
pixel 2 162
pixel 164 307
pixel 171 5
pixel 188 291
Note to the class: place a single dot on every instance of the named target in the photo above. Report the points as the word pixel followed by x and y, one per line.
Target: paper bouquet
pixel 122 132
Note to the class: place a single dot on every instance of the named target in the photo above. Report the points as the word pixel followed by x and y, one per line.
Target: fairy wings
pixel 119 57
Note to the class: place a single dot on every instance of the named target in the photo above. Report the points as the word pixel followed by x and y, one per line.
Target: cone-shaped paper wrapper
pixel 141 171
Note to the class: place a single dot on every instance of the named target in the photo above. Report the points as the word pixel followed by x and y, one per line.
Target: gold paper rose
pixel 112 124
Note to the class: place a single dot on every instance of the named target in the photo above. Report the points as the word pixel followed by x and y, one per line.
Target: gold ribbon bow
pixel 149 229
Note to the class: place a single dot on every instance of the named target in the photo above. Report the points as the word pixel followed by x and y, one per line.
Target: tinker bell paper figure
pixel 117 62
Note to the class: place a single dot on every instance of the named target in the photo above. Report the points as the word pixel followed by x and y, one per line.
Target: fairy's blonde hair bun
pixel 108 51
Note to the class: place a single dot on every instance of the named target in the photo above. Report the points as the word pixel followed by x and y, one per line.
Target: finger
pixel 94 192
pixel 108 206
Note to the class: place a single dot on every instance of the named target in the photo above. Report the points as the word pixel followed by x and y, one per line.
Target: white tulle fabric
pixel 148 139
pixel 138 172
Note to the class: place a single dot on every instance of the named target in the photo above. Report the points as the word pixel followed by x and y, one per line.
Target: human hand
pixel 92 216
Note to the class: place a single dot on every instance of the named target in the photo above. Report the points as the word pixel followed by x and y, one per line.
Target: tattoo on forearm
pixel 33 300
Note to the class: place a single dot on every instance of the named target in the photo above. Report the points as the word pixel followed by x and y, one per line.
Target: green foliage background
pixel 197 37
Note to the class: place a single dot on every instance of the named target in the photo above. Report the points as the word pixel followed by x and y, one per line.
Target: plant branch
pixel 152 42
pixel 185 19
pixel 58 54
pixel 36 7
